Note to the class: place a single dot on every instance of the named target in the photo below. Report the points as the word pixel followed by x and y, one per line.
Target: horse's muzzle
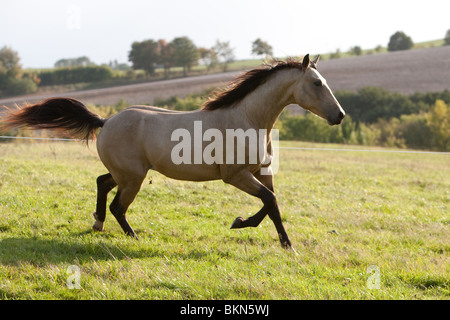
pixel 337 120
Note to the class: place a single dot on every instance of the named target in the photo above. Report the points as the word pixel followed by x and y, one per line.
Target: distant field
pixel 353 218
pixel 410 71
pixel 407 72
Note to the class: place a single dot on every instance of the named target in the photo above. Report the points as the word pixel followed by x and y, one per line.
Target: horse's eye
pixel 318 83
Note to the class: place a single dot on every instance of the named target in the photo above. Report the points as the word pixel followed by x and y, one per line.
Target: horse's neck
pixel 264 105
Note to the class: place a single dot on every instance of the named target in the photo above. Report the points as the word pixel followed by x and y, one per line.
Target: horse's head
pixel 312 93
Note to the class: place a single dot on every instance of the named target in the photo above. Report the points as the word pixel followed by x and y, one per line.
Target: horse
pixel 140 138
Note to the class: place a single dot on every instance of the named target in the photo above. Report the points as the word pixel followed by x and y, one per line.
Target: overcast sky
pixel 44 31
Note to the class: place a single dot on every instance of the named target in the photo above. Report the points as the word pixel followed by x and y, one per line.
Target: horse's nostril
pixel 341 115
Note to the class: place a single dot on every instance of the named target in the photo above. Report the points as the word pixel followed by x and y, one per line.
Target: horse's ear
pixel 305 63
pixel 315 61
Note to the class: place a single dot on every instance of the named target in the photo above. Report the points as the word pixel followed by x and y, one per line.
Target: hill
pixel 421 70
pixel 407 72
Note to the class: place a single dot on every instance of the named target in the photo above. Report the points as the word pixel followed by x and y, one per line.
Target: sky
pixel 44 31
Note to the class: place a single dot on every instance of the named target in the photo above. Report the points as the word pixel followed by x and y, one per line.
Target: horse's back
pixel 152 109
pixel 141 138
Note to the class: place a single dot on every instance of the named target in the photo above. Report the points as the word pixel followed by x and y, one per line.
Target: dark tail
pixel 63 114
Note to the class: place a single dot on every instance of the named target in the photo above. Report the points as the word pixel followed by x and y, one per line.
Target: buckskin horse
pixel 139 138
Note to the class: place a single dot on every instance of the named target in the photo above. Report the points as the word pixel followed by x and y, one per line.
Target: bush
pixel 75 75
pixel 191 102
pixel 176 103
pixel 314 129
pixel 415 131
pixel 429 130
pixel 369 104
pixel 410 131
pixel 20 86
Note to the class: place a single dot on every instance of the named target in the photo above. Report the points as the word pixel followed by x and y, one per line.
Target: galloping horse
pixel 141 138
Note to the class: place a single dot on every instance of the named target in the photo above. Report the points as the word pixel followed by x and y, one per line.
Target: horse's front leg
pixel 254 221
pixel 247 182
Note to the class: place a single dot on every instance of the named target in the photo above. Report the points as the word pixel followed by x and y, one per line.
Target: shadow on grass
pixel 88 246
pixel 40 250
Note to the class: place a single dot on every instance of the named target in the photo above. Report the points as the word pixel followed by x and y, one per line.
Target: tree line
pixel 148 56
pixel 182 52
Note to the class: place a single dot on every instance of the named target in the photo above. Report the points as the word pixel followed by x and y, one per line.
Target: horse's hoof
pixel 237 223
pixel 132 235
pixel 285 242
pixel 286 245
pixel 98 225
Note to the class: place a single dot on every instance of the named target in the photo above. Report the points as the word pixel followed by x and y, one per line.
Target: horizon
pixel 47 31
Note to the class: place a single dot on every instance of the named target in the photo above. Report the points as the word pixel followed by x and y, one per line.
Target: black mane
pixel 247 83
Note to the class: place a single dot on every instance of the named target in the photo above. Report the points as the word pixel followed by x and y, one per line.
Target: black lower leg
pixel 252 221
pixel 105 184
pixel 119 213
pixel 270 207
pixel 276 218
pixel 268 200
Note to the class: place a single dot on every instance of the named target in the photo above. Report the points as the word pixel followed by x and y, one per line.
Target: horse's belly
pixel 190 172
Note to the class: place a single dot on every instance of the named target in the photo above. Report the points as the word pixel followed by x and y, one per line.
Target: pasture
pixel 343 211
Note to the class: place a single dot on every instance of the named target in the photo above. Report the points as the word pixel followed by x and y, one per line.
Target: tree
pixel 9 64
pixel 165 56
pixel 144 55
pixel 356 50
pixel 336 55
pixel 260 47
pixel 74 62
pixel 225 52
pixel 378 48
pixel 185 53
pixel 12 79
pixel 400 41
pixel 438 120
pixel 447 38
pixel 208 57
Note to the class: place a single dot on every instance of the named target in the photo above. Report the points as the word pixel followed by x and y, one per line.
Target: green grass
pixel 429 44
pixel 344 211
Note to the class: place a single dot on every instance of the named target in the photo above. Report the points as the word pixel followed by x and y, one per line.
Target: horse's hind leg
pixel 126 193
pixel 274 214
pixel 105 184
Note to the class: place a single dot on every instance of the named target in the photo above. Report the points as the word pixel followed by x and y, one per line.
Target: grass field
pixel 353 217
